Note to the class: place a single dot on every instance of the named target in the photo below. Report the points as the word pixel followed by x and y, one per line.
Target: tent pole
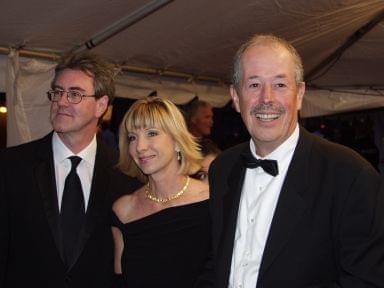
pixel 31 53
pixel 51 56
pixel 121 25
pixel 169 73
pixel 348 43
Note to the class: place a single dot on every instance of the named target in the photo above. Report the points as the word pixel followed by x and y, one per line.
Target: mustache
pixel 63 110
pixel 267 107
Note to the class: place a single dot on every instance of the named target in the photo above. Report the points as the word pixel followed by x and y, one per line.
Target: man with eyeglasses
pixel 56 192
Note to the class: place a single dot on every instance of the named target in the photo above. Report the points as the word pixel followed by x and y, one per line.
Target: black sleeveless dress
pixel 166 249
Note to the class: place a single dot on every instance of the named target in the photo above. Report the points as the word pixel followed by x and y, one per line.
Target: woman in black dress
pixel 161 231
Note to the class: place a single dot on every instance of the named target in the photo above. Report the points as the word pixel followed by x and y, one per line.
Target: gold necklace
pixel 153 197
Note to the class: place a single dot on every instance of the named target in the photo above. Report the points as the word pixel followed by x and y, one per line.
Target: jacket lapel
pixel 291 204
pixel 231 200
pixel 45 178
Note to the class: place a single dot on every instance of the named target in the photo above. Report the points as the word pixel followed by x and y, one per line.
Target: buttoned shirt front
pixel 63 166
pixel 259 196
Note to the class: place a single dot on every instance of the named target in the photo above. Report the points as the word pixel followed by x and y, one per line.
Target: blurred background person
pixel 199 117
pixel 161 231
pixel 210 151
pixel 106 135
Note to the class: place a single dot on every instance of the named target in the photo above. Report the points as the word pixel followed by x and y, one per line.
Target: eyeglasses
pixel 73 97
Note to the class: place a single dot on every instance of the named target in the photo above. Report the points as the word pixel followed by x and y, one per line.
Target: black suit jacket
pixel 30 252
pixel 327 229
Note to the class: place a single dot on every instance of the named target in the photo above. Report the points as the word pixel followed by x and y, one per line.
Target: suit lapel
pixel 291 205
pixel 45 178
pixel 97 199
pixel 231 200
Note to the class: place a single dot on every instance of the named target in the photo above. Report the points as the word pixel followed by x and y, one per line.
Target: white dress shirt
pixel 259 197
pixel 63 166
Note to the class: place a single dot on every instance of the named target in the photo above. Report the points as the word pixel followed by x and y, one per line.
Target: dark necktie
pixel 269 166
pixel 72 212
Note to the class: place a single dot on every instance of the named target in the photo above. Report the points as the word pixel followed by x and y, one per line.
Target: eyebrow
pixel 55 86
pixel 279 76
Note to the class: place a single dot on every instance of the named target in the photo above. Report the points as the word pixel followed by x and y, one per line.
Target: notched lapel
pixel 231 201
pixel 45 178
pixel 290 207
pixel 289 211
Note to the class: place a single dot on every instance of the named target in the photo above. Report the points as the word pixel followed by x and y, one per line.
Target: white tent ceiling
pixel 198 38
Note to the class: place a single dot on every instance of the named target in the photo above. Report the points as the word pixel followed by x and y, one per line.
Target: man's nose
pixel 63 100
pixel 267 94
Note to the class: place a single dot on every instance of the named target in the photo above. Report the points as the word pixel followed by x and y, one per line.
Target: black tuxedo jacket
pixel 30 252
pixel 327 229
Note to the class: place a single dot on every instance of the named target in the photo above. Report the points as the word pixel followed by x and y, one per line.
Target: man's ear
pixel 235 97
pixel 300 94
pixel 101 105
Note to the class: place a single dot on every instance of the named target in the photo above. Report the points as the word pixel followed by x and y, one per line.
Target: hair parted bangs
pixel 155 112
pixel 143 115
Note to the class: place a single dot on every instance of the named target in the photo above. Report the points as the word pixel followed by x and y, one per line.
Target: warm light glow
pixel 3 109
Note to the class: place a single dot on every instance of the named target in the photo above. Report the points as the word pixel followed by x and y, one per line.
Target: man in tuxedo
pixel 56 192
pixel 290 209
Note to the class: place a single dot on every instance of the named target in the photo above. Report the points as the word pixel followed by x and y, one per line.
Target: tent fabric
pixel 29 79
pixel 325 102
pixel 28 107
pixel 198 38
pixel 180 92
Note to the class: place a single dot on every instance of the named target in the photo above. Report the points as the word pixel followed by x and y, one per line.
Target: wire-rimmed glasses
pixel 73 96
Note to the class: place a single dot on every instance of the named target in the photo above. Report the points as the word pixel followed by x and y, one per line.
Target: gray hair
pixel 265 39
pixel 100 69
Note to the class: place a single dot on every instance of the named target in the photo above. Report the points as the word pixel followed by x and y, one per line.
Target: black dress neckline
pixel 163 211
pixel 174 239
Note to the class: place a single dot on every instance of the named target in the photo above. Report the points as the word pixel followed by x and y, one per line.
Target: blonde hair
pixel 162 114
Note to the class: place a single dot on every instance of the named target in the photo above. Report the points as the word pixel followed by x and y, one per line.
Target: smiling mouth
pixel 267 117
pixel 145 159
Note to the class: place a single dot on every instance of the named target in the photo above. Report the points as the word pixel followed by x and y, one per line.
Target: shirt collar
pixel 62 152
pixel 280 152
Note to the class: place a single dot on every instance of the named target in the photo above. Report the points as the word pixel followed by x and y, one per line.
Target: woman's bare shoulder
pixel 124 206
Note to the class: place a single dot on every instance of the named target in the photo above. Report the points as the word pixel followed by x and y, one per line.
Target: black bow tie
pixel 269 166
